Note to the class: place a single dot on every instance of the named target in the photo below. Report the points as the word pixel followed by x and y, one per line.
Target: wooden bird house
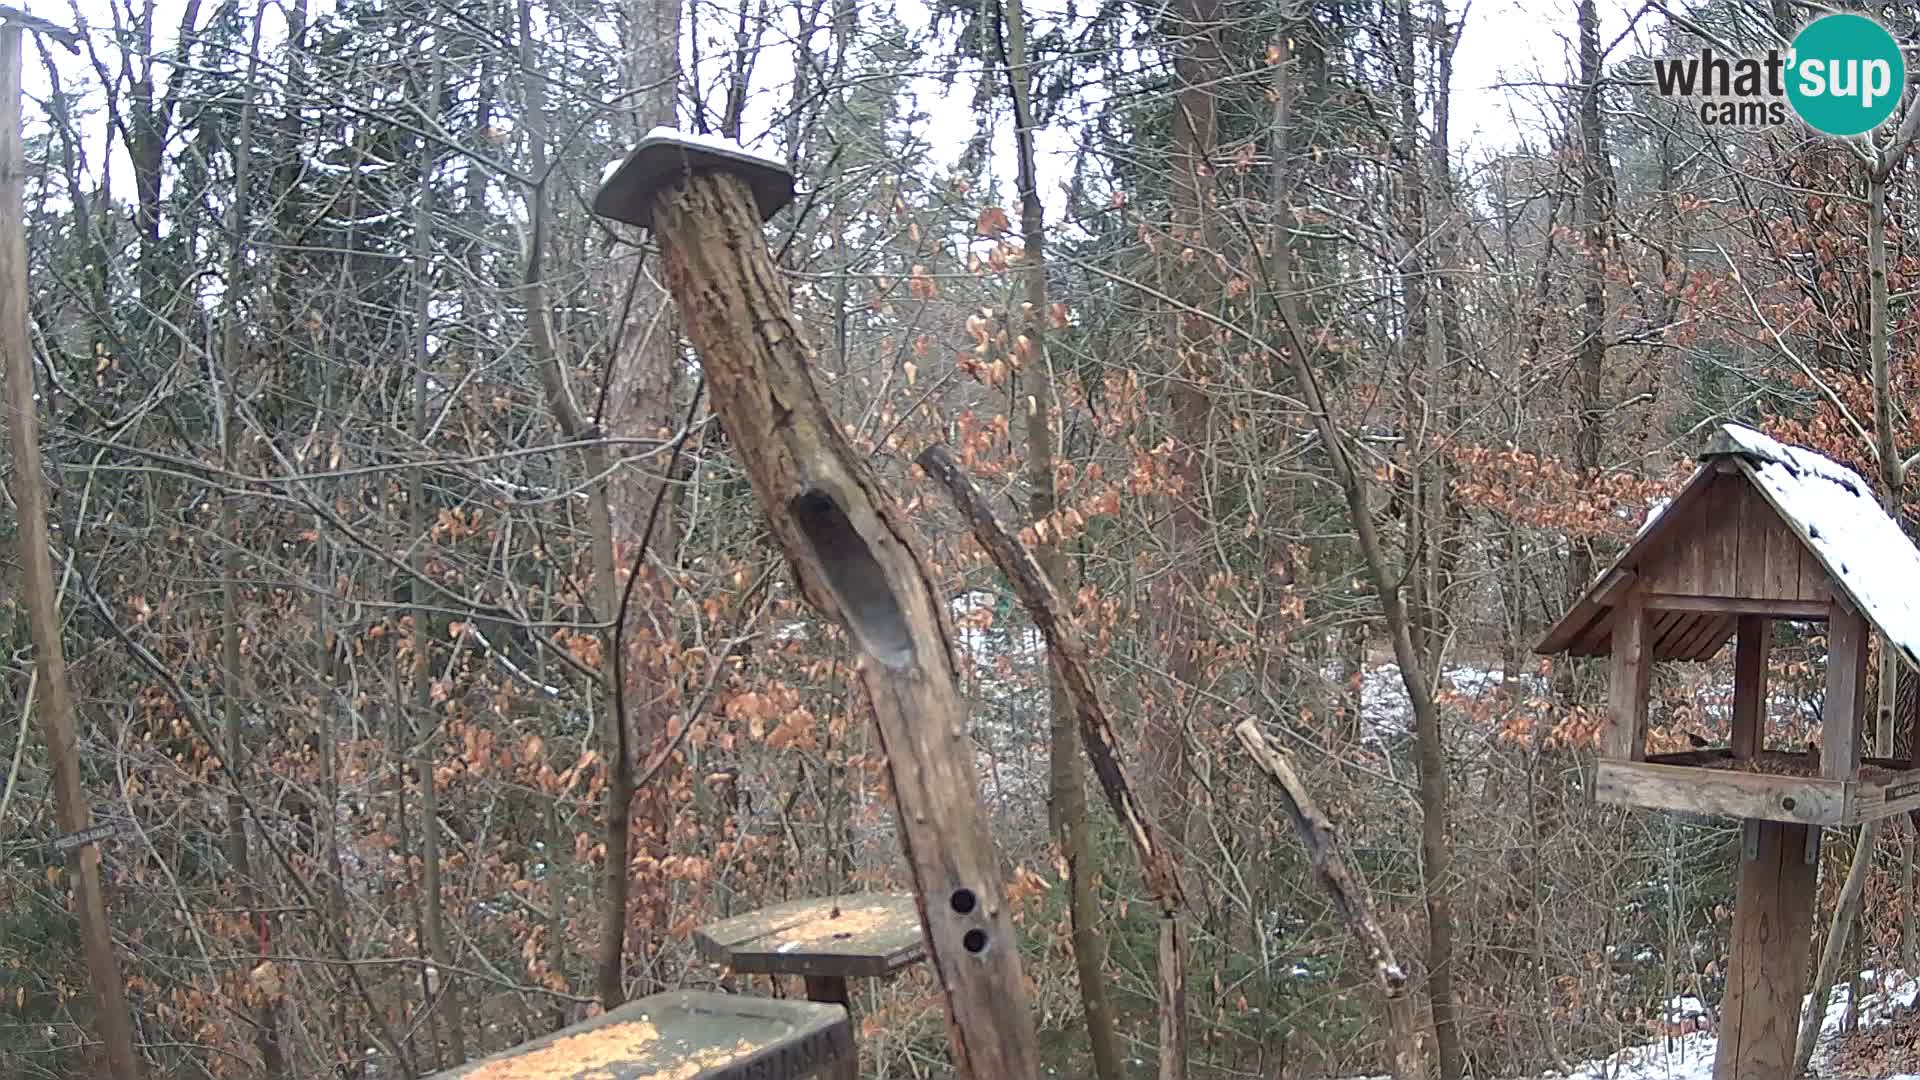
pixel 1762 533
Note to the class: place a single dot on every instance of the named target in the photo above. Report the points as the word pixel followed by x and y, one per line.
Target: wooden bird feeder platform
pixel 835 937
pixel 826 941
pixel 682 1035
pixel 1762 533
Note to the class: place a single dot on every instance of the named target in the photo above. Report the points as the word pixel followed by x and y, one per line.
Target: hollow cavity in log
pixel 872 611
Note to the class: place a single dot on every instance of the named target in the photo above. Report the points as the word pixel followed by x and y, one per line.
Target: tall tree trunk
pixel 1197 64
pixel 1892 476
pixel 1596 170
pixel 233 681
pixel 113 1022
pixel 448 988
pixel 1426 348
pixel 637 401
pixel 1067 783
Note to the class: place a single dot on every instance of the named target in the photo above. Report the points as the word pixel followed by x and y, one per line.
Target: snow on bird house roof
pixel 1834 511
pixel 1870 563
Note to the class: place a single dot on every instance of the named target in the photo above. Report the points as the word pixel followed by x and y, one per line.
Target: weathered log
pixel 855 558
pixel 1349 896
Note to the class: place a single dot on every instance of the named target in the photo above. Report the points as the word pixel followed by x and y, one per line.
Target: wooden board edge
pixel 1817 801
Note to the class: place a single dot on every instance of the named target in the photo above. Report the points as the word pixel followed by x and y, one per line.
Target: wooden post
pixel 1751 641
pixel 1767 971
pixel 1630 671
pixel 856 558
pixel 113 1024
pixel 1845 710
pixel 832 990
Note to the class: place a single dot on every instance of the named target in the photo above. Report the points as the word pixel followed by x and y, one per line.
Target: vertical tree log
pixel 857 560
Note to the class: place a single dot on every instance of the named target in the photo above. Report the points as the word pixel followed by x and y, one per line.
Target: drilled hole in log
pixel 962 901
pixel 855 576
pixel 975 941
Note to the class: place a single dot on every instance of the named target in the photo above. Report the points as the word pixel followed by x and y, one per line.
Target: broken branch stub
pixel 1316 831
pixel 856 559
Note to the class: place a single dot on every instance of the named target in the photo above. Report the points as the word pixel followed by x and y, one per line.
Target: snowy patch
pixel 1653 514
pixel 1854 538
pixel 1690 1057
pixel 713 143
pixel 1386 714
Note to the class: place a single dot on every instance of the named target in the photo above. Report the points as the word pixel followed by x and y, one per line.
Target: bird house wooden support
pixel 1762 533
pixel 855 557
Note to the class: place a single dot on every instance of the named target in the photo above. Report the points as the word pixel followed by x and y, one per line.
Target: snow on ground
pixel 1690 1057
pixel 1386 714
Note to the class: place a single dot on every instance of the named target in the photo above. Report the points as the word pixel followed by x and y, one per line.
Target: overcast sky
pixel 1524 42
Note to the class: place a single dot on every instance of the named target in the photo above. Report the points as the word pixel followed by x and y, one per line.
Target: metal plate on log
pixel 682 1035
pixel 663 156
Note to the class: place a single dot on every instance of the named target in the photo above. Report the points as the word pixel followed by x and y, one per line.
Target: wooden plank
pixel 860 935
pixel 1691 757
pixel 1664 629
pixel 683 1035
pixel 1767 972
pixel 1844 713
pixel 1784 550
pixel 1630 669
pixel 1703 632
pixel 1815 585
pixel 1755 520
pixel 1720 792
pixel 1720 544
pixel 1899 794
pixel 1711 644
pixel 1804 610
pixel 1597 639
pixel 1750 685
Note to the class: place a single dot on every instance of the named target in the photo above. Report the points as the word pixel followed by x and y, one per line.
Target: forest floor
pixel 1872 1051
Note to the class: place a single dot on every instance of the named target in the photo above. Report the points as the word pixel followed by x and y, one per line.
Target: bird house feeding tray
pixel 682 1035
pixel 1762 533
pixel 857 935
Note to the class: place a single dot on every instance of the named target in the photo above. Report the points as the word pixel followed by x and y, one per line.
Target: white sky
pixel 1503 41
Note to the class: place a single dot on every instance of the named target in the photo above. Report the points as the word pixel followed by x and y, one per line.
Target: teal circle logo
pixel 1847 75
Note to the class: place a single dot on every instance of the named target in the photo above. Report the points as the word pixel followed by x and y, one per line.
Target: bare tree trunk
pixel 1196 64
pixel 233 680
pixel 1892 480
pixel 857 559
pixel 1595 174
pixel 1067 794
pixel 112 1020
pixel 447 990
pixel 610 969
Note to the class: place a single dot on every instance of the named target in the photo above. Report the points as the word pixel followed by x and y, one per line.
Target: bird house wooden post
pixel 1762 533
pixel 855 557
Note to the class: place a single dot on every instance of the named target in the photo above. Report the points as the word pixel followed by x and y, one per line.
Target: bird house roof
pixel 1761 528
